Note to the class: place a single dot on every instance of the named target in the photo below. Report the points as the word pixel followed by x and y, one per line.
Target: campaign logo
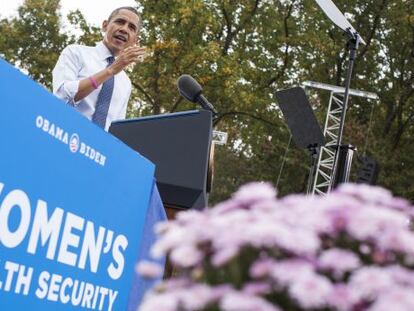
pixel 74 143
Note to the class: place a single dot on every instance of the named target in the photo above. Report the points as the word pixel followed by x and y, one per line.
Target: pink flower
pixel 186 256
pixel 397 240
pixel 262 268
pixel 297 243
pixel 371 282
pixel 269 234
pixel 401 204
pixel 196 297
pixel 182 296
pixel 374 195
pixel 220 291
pixel 190 217
pixel 288 272
pixel 225 207
pixel 237 301
pixel 171 238
pixel 258 288
pixel 159 302
pixel 175 283
pixel 311 290
pixel 223 256
pixel 149 269
pixel 401 275
pixel 366 193
pixel 372 221
pixel 338 261
pixel 395 299
pixel 342 297
pixel 339 217
pixel 254 192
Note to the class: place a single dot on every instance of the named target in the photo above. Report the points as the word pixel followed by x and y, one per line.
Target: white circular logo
pixel 74 143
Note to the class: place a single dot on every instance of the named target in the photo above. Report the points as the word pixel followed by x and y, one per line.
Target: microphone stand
pixel 353 44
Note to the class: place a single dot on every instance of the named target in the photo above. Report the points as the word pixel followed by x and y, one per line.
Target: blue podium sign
pixel 73 201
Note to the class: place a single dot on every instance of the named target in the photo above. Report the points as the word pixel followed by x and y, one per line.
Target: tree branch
pixel 177 102
pixel 286 51
pixel 374 28
pixel 141 89
pixel 232 33
pixel 242 113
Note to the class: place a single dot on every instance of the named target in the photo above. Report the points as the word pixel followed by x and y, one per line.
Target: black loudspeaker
pixel 368 171
pixel 179 145
pixel 300 118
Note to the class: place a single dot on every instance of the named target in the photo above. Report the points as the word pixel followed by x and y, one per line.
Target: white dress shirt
pixel 78 62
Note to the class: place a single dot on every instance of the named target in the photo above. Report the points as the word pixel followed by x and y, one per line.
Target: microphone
pixel 191 90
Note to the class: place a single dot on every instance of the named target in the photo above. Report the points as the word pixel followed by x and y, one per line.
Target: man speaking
pixel 91 79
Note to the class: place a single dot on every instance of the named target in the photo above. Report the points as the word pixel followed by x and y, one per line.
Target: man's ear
pixel 104 25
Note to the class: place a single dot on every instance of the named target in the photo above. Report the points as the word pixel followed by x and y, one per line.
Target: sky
pixel 94 11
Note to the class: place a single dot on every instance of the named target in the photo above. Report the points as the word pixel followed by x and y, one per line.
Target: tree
pixel 33 40
pixel 242 52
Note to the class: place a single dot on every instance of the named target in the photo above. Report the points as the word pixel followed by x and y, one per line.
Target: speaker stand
pixel 314 153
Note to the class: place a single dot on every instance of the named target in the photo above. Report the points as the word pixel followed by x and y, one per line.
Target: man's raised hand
pixel 129 55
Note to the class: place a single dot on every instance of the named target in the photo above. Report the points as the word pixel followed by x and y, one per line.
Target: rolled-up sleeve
pixel 65 75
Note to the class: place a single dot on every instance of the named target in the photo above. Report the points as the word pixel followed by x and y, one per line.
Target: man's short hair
pixel 129 8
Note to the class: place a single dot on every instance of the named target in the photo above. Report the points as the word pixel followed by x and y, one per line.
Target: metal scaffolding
pixel 324 173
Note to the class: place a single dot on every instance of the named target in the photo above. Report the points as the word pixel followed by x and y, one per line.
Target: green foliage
pixel 33 40
pixel 89 35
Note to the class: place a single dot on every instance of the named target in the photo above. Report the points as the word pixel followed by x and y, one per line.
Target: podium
pixel 179 145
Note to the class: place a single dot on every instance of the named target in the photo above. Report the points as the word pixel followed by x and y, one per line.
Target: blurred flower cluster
pixel 350 250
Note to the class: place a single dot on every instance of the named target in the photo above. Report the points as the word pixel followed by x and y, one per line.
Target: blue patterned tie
pixel 104 99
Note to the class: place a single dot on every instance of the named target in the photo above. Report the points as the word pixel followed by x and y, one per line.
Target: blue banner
pixel 73 201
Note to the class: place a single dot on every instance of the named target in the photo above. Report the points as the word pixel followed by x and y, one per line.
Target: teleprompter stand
pixel 340 173
pixel 341 167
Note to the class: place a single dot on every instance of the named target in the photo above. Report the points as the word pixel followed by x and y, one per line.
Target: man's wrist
pixel 93 82
pixel 110 71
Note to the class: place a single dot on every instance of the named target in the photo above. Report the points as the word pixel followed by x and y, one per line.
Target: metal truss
pixel 324 171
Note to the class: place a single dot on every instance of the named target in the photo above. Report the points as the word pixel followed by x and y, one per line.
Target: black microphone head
pixel 189 88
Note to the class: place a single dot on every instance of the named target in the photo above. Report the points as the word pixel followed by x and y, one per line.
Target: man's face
pixel 121 31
